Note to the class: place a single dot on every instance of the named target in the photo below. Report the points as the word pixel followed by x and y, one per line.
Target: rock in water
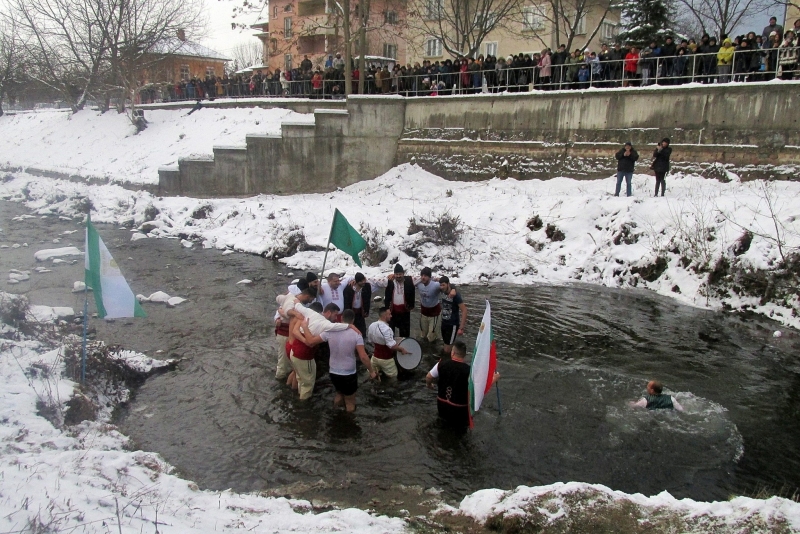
pixel 244 282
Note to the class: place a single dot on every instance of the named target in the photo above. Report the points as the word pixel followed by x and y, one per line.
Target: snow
pixel 48 254
pixel 61 142
pixel 607 239
pixel 487 503
pixel 48 314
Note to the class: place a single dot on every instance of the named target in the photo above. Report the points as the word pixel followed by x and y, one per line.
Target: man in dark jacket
pixel 661 164
pixel 357 298
pixel 399 297
pixel 626 160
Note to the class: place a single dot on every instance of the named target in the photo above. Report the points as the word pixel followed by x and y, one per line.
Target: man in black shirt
pixel 453 386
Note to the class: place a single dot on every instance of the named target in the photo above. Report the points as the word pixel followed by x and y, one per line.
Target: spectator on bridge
pixel 773 26
pixel 788 56
pixel 631 64
pixel 544 68
pixel 725 61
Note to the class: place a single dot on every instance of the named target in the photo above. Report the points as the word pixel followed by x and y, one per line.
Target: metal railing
pixel 744 66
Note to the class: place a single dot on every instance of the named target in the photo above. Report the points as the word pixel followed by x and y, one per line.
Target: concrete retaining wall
pixel 524 135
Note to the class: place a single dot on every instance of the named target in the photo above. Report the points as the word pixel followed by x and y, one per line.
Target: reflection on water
pixel 571 359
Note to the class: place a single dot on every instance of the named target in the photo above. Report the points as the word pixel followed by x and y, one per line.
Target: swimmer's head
pixel 654 387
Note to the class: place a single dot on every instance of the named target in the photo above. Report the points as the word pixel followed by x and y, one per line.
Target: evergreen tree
pixel 644 21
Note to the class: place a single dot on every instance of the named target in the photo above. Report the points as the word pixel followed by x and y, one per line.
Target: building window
pixel 491 49
pixel 391 17
pixel 209 72
pixel 532 19
pixel 434 9
pixel 580 28
pixel 489 21
pixel 287 8
pixel 390 50
pixel 433 47
pixel 287 62
pixel 185 72
pixel 287 27
pixel 608 31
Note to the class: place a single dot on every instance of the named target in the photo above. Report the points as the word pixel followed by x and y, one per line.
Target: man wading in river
pixel 453 385
pixel 344 346
pixel 655 400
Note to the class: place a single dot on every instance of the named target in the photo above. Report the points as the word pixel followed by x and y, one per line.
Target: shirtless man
pixel 286 304
pixel 382 337
pixel 656 400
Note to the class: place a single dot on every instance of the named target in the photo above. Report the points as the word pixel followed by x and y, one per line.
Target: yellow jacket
pixel 725 54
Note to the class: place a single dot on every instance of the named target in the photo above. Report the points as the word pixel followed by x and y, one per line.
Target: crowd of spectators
pixel 748 57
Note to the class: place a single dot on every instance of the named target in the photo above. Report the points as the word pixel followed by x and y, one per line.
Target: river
pixel 571 357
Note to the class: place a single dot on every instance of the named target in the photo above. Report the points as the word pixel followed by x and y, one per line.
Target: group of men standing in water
pixel 314 313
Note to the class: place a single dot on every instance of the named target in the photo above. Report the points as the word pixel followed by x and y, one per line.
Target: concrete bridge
pixel 521 135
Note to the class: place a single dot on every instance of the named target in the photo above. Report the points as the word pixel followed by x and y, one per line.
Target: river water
pixel 571 357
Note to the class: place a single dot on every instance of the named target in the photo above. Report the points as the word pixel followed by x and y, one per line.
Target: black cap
pixel 302 284
pixel 310 277
pixel 628 143
pixel 398 268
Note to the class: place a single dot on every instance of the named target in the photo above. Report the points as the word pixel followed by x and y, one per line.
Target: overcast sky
pixel 220 36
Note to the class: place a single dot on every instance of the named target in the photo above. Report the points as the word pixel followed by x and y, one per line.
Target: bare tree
pixel 462 25
pixel 720 17
pixel 67 44
pixel 12 57
pixel 568 19
pixel 246 55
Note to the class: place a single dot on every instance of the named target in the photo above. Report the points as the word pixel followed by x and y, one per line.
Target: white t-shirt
pixel 379 333
pixel 343 350
pixel 429 295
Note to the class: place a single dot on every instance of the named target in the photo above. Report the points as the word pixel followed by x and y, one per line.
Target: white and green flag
pixel 112 294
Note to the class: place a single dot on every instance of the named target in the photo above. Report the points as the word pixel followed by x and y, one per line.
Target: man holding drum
pixel 382 337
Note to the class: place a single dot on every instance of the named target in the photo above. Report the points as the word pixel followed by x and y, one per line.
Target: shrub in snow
pixel 202 212
pixel 376 252
pixel 651 271
pixel 13 308
pixel 553 233
pixel 443 229
pixel 535 223
pixel 150 213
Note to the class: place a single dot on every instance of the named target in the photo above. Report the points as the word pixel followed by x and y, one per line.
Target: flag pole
pixel 328 246
pixel 85 302
pixel 85 322
pixel 499 404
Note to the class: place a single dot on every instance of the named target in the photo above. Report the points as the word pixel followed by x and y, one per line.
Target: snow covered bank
pixel 707 243
pixel 66 143
pixel 83 477
pixel 591 507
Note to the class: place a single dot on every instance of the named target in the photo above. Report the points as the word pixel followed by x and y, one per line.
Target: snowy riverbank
pixel 106 146
pixel 708 244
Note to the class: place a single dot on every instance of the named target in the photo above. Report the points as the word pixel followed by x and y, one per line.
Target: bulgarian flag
pixel 484 363
pixel 112 294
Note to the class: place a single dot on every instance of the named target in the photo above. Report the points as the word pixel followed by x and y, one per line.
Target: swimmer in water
pixel 655 400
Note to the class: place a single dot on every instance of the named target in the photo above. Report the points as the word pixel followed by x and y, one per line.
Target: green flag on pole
pixel 112 294
pixel 346 238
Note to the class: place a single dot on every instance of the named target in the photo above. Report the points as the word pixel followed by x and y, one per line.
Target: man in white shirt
pixel 381 335
pixel 344 346
pixel 331 291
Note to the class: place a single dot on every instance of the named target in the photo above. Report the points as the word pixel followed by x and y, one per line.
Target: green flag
pixel 346 238
pixel 112 294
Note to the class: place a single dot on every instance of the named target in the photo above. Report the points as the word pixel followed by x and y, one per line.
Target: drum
pixel 409 361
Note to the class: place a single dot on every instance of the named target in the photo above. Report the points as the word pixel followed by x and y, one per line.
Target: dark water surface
pixel 571 358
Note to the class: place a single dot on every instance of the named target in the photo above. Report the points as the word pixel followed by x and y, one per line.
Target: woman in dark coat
pixel 661 164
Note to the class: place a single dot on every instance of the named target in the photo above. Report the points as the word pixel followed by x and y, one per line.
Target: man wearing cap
pixel 400 297
pixel 381 335
pixel 772 27
pixel 626 160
